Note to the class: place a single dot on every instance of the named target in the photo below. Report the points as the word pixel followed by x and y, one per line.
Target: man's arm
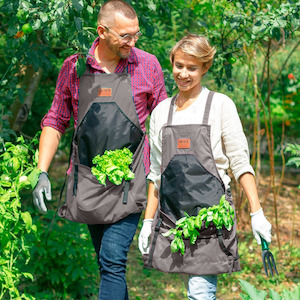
pixel 48 145
pixel 49 142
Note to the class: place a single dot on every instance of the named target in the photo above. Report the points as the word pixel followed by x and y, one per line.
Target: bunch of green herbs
pixel 113 165
pixel 222 215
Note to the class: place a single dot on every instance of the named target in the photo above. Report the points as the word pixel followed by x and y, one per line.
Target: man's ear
pixel 100 30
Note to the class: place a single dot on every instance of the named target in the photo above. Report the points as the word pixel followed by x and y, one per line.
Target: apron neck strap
pixel 87 70
pixel 207 107
pixel 170 117
pixel 206 112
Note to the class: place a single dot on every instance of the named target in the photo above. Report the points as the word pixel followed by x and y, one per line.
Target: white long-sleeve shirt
pixel 228 142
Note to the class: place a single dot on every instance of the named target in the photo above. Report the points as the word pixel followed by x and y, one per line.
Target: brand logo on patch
pixel 183 143
pixel 104 92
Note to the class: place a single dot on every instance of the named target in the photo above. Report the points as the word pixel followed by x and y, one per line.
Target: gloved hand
pixel 43 187
pixel 260 226
pixel 144 236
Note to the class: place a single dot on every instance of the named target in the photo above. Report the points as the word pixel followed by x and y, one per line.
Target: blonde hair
pixel 197 46
pixel 109 8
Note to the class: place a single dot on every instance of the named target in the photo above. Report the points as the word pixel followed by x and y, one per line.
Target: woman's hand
pixel 261 227
pixel 144 236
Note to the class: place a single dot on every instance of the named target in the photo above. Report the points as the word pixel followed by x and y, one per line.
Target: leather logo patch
pixel 104 92
pixel 183 143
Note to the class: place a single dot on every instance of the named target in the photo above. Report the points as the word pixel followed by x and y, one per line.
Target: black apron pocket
pixel 186 186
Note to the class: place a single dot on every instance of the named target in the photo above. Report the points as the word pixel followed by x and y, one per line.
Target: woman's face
pixel 187 72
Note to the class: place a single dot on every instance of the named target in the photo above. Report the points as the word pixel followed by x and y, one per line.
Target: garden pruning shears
pixel 267 258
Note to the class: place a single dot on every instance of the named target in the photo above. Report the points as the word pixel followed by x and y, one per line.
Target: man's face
pixel 121 27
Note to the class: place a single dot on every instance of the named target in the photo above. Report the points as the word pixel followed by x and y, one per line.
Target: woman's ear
pixel 205 68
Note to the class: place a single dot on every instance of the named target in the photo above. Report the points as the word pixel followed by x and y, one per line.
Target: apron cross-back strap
pixel 206 111
pixel 207 107
pixel 156 233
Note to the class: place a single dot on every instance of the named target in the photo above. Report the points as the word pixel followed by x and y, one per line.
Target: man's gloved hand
pixel 260 226
pixel 43 187
pixel 144 236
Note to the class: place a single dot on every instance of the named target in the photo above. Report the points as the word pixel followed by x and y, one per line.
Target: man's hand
pixel 260 226
pixel 144 236
pixel 42 188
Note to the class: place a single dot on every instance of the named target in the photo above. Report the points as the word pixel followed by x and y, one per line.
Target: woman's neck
pixel 185 99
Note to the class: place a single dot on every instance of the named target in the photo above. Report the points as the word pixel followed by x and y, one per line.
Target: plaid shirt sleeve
pixel 65 102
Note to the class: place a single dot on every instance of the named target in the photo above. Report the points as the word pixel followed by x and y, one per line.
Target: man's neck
pixel 107 62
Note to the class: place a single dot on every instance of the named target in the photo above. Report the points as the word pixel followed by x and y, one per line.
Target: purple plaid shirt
pixel 147 84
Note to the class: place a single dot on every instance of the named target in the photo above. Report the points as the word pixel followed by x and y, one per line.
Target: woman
pixel 194 138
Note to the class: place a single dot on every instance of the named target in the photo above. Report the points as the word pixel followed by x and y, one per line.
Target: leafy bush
pixel 18 171
pixel 64 263
pixel 254 294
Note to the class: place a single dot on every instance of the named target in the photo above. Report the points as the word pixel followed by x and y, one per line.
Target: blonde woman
pixel 195 137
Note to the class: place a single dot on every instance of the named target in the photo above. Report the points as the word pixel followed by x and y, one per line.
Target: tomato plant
pixel 18 167
pixel 26 28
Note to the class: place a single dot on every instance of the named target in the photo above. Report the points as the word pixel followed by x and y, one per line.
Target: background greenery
pixel 256 65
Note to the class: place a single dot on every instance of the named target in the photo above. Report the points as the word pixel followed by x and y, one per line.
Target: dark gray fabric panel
pixel 105 127
pixel 187 187
pixel 120 85
pixel 200 145
pixel 204 258
pixel 104 123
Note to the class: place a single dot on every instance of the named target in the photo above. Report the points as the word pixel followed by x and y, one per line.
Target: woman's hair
pixel 109 8
pixel 197 46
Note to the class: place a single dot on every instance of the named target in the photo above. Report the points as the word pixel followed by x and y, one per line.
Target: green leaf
pixel 27 220
pixel 168 233
pixel 54 28
pixel 274 295
pixel 251 291
pixel 181 246
pixel 28 275
pixel 174 246
pixel 80 66
pixel 78 5
pixel 33 177
pixel 180 221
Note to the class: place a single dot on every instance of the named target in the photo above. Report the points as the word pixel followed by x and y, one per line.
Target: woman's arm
pixel 248 184
pixel 152 203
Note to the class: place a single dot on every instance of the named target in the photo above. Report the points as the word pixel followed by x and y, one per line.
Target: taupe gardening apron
pixel 190 181
pixel 107 120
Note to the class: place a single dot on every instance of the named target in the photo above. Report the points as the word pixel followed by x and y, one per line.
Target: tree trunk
pixel 20 110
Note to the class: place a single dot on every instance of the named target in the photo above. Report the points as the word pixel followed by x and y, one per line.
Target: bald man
pixel 109 103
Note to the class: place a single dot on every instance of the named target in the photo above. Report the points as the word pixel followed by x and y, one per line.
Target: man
pixel 114 67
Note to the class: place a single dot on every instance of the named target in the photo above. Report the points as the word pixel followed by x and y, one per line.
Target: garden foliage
pixel 18 171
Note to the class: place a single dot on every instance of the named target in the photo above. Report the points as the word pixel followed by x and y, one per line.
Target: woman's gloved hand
pixel 43 188
pixel 261 227
pixel 144 236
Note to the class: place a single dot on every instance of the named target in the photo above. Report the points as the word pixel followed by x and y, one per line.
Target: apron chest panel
pixel 107 120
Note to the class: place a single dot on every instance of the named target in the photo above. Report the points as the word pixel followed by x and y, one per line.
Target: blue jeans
pixel 112 242
pixel 202 287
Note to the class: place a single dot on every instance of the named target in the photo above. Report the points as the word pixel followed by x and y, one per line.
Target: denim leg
pixel 112 244
pixel 202 287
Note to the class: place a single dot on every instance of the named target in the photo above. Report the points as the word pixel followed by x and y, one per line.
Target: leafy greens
pixel 113 165
pixel 187 227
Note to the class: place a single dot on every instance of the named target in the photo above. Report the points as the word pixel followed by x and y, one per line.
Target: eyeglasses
pixel 126 38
